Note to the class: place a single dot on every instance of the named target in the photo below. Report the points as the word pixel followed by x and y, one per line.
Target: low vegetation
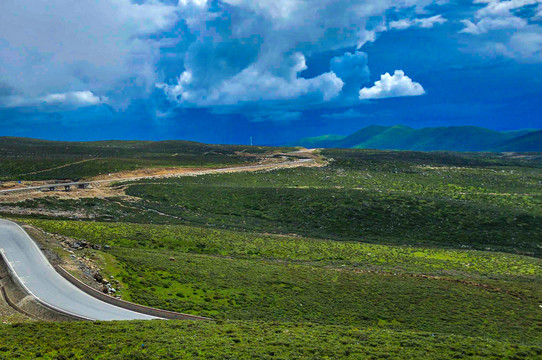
pixel 376 254
pixel 187 239
pixel 242 340
pixel 29 159
pixel 435 199
pixel 244 276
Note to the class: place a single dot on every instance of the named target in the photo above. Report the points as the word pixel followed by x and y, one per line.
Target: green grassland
pixel 29 159
pixel 242 340
pixel 258 290
pixel 375 197
pixel 316 252
pixel 351 215
pixel 377 255
pixel 244 276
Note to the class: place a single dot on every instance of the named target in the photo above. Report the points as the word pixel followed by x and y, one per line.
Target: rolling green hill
pixel 528 142
pixel 319 141
pixel 361 136
pixel 455 138
pixel 373 254
pixel 33 159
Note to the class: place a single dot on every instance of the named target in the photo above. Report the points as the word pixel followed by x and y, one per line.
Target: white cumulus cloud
pixel 395 85
pixel 254 50
pixel 521 40
pixel 198 3
pixel 59 46
pixel 523 45
pixel 425 23
pixel 255 83
pixel 485 25
pixel 496 15
pixel 68 99
pixel 84 98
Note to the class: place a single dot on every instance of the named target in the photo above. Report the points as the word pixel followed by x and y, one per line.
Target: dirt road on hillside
pixel 100 185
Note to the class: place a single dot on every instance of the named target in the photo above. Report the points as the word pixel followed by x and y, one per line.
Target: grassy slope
pixel 352 215
pixel 360 136
pixel 371 197
pixel 528 142
pixel 391 292
pixel 229 275
pixel 260 290
pixel 242 340
pixel 22 157
pixel 457 138
pixel 317 252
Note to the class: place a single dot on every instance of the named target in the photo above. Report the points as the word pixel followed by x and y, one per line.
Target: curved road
pixel 40 279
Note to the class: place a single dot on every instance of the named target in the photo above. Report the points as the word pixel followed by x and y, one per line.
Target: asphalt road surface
pixel 40 279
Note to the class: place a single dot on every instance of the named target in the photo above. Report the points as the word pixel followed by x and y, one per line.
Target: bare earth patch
pixel 102 185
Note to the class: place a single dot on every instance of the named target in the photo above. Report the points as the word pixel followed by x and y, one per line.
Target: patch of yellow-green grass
pixel 188 239
pixel 255 289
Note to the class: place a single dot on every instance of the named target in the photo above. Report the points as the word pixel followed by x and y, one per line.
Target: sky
pixel 274 70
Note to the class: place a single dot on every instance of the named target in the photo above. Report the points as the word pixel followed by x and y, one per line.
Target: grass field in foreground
pixel 318 252
pixel 242 340
pixel 401 246
pixel 245 276
pixel 258 290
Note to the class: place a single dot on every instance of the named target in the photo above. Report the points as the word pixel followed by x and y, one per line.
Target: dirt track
pixel 101 184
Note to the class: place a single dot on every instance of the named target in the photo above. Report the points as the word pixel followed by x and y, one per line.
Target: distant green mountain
pixel 463 138
pixel 455 138
pixel 319 141
pixel 528 142
pixel 361 136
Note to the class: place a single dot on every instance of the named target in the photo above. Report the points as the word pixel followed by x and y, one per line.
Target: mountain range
pixel 454 138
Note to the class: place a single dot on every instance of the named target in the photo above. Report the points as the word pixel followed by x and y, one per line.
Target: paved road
pixel 41 280
pixel 43 187
pixel 39 277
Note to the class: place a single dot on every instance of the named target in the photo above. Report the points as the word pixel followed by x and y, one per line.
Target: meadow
pixel 388 198
pixel 242 340
pixel 376 254
pixel 31 159
pixel 247 276
pixel 317 252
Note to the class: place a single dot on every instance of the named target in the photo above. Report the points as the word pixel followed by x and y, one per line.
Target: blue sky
pixel 276 70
